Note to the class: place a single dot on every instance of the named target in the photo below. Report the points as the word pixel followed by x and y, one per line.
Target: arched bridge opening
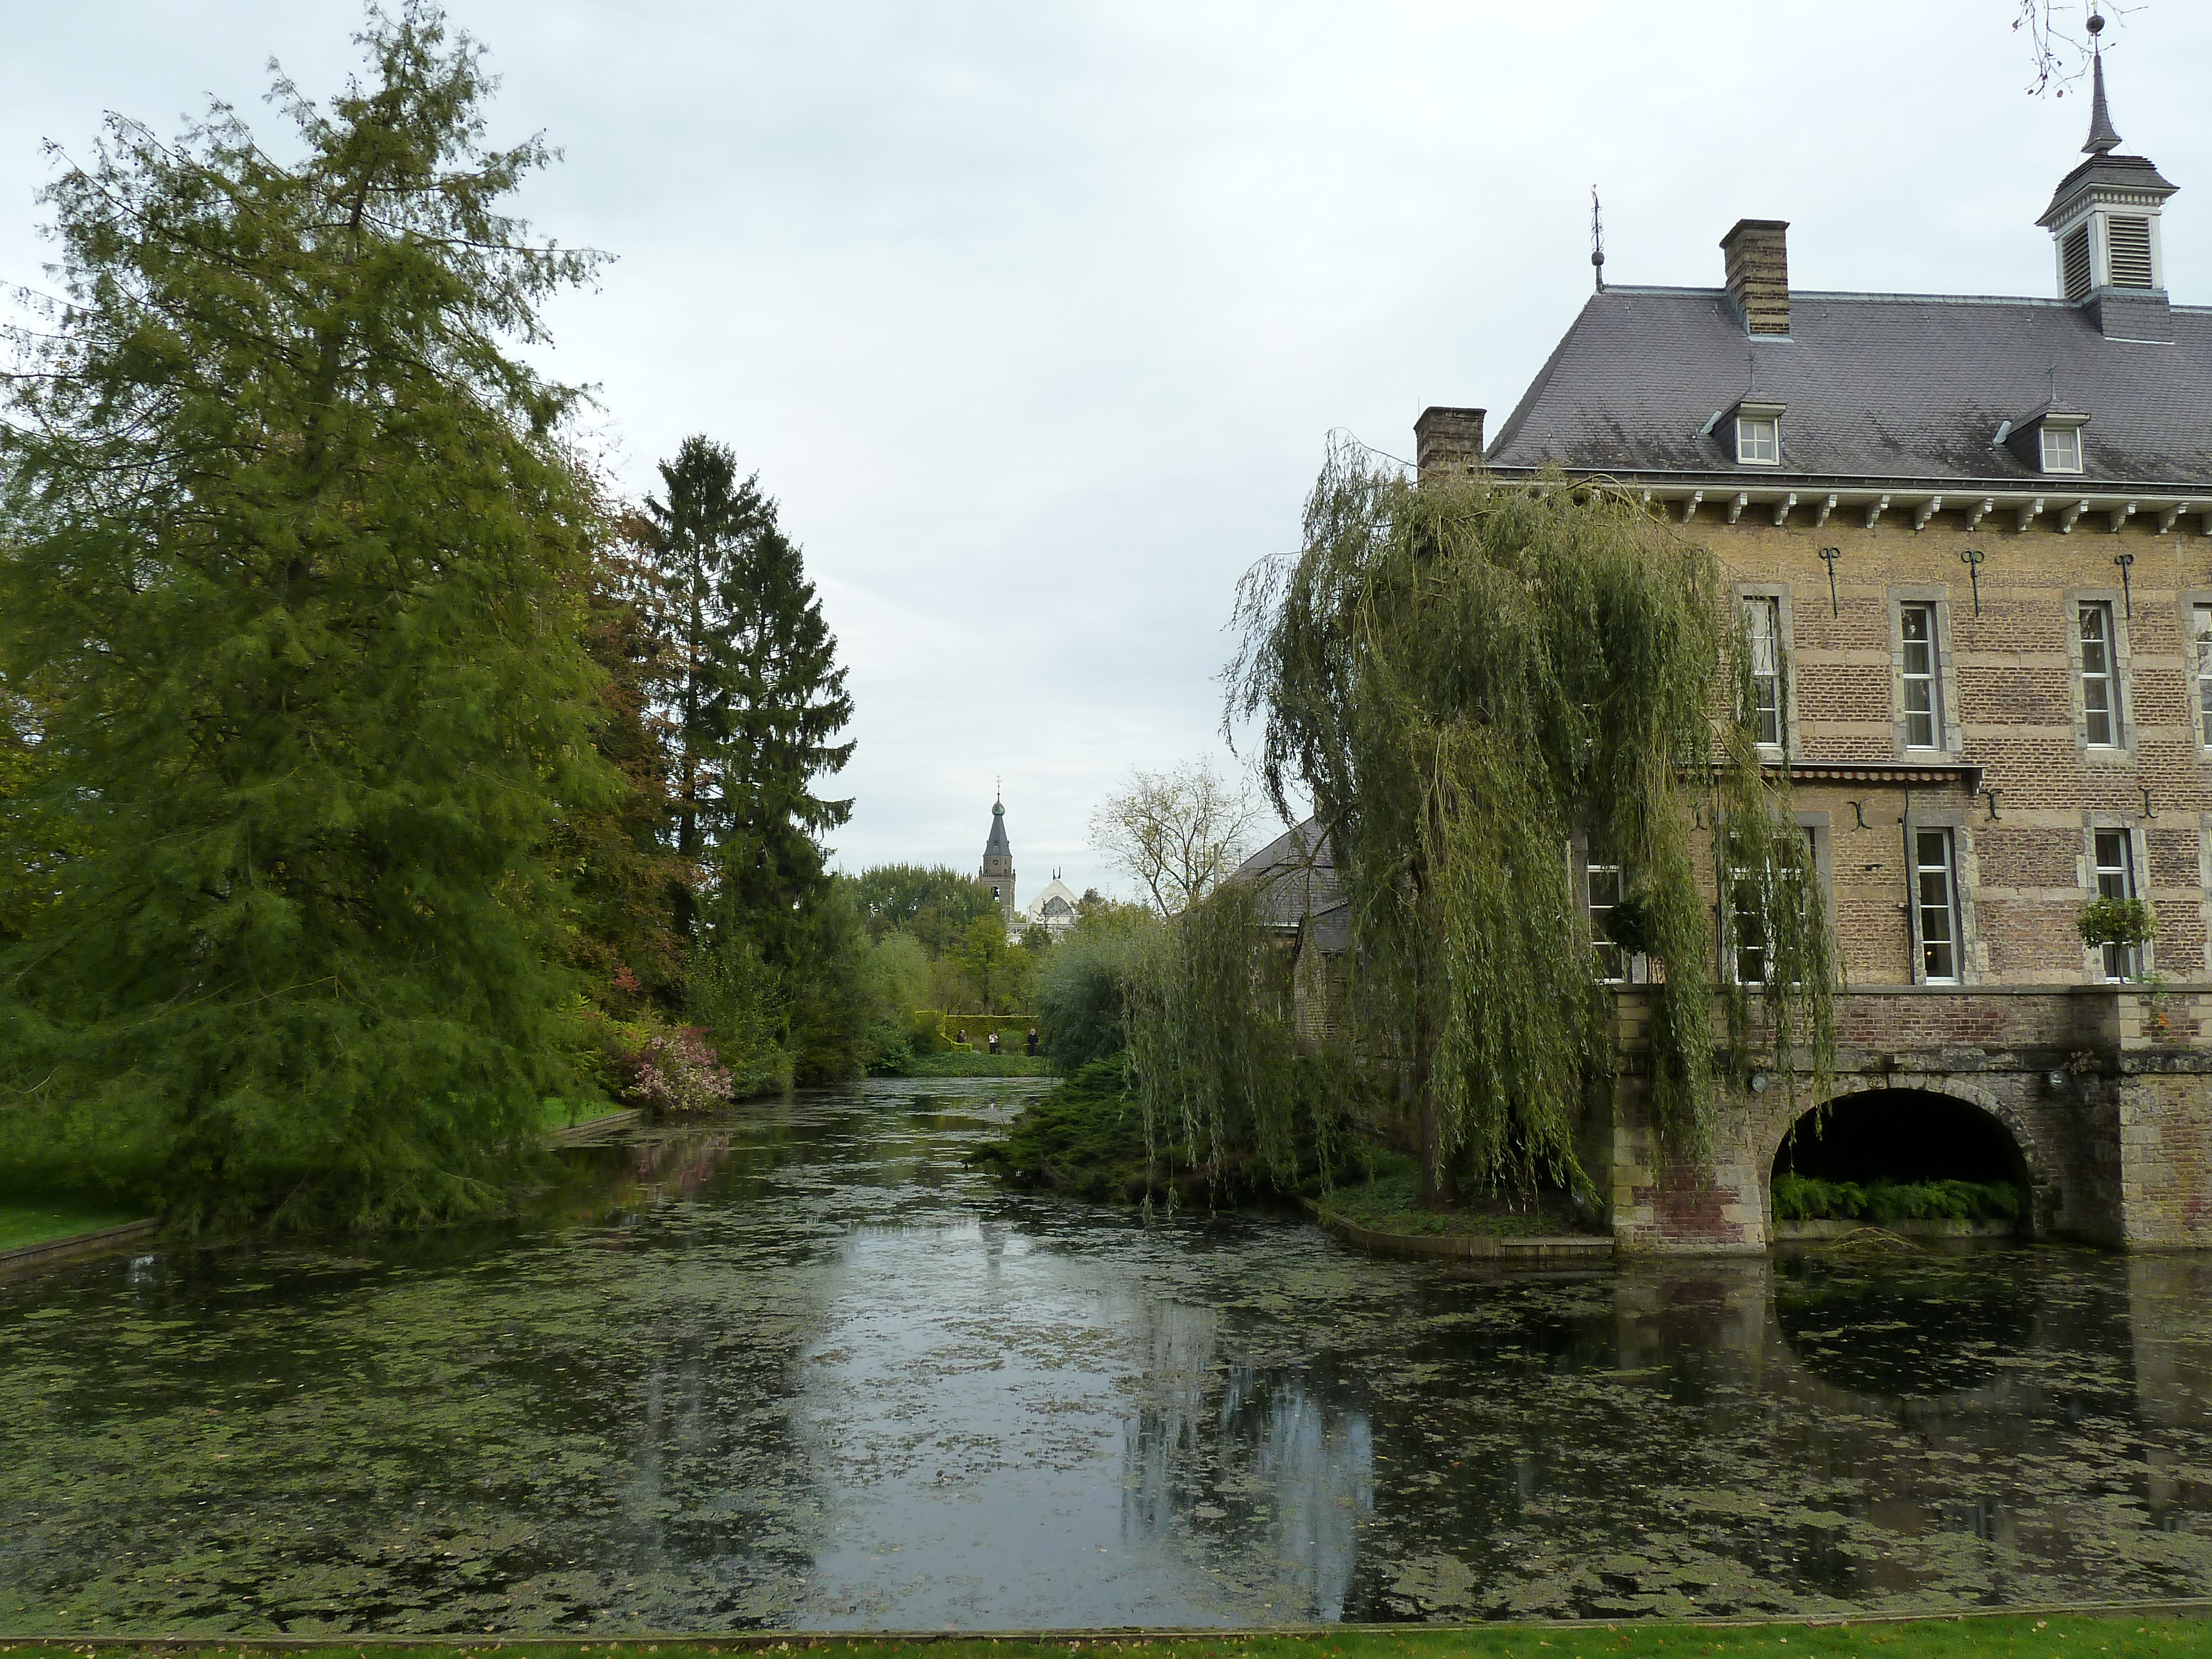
pixel 1908 1159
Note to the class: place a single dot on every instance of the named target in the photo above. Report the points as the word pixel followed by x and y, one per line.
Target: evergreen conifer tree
pixel 289 539
pixel 760 700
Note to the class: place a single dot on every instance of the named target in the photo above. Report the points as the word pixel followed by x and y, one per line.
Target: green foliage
pixel 1465 677
pixel 1086 1139
pixel 1212 1046
pixel 934 904
pixel 983 954
pixel 759 695
pixel 290 542
pixel 1010 1062
pixel 1081 989
pixel 2124 921
pixel 925 1031
pixel 896 976
pixel 740 1001
pixel 1809 1197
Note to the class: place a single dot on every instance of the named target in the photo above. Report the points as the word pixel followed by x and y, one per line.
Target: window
pixel 2116 879
pixel 2061 448
pixel 1936 895
pixel 1758 440
pixel 2204 649
pixel 1922 722
pixel 2128 246
pixel 1763 622
pixel 2074 255
pixel 1604 895
pixel 2099 713
pixel 1751 894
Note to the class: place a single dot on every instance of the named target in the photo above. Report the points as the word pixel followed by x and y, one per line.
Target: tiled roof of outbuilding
pixel 1877 387
pixel 1294 877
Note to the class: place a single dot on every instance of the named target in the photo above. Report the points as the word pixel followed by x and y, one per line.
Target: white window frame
pixel 2201 648
pixel 1612 963
pixel 1927 678
pixel 1735 949
pixel 1762 624
pixel 1935 905
pixel 2100 685
pixel 2115 877
pixel 1758 440
pixel 2064 454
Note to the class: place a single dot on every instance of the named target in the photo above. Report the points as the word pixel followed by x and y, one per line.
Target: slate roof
pixel 1296 876
pixel 998 846
pixel 1879 387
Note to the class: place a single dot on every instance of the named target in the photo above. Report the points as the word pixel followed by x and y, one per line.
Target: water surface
pixel 806 1369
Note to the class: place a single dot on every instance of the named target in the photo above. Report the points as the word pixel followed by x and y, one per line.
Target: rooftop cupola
pixel 2102 222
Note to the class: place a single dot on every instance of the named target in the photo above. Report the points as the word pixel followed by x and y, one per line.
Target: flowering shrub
pixel 676 1072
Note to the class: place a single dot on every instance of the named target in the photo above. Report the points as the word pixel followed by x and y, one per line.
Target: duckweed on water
pixel 808 1369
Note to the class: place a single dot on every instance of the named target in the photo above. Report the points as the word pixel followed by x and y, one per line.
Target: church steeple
pixel 998 871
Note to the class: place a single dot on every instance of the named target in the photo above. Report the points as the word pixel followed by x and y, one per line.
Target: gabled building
pixel 1972 541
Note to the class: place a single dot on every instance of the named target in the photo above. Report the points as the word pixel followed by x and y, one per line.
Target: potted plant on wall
pixel 2126 923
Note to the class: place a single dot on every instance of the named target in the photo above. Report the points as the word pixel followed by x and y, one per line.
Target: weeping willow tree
pixel 1466 678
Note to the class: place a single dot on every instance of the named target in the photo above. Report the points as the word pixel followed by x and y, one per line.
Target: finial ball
pixel 2096 23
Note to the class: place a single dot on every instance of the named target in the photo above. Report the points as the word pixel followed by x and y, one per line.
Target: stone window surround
pixel 1786 637
pixel 2093 956
pixel 2186 607
pixel 1950 740
pixel 2124 734
pixel 1959 820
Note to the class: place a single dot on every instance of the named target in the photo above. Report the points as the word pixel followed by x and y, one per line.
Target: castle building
pixel 1970 540
pixel 998 871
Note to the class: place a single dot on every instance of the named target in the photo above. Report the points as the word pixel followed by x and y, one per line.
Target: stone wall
pixel 2105 1093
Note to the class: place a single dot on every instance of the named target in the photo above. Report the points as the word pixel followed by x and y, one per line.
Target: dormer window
pixel 2048 440
pixel 2061 448
pixel 1758 435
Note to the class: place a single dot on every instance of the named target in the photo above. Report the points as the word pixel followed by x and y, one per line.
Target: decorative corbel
pixel 1828 506
pixel 1736 506
pixel 1782 509
pixel 2172 516
pixel 1977 514
pixel 1929 509
pixel 2066 520
pixel 2120 515
pixel 2026 516
pixel 1690 505
pixel 1875 511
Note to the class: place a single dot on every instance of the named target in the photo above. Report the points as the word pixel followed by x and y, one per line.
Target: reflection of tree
pixel 1254 1456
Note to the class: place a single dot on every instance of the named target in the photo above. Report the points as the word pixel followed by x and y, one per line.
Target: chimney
pixel 1448 440
pixel 1759 273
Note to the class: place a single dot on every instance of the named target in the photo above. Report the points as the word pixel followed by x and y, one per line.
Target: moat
pixel 806 1369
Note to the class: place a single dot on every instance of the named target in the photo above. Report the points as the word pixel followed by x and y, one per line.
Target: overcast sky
pixel 1035 317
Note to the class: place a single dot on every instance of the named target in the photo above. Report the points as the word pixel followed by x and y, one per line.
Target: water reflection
pixel 806 1369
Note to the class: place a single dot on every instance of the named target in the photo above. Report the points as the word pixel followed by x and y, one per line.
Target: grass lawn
pixel 558 1113
pixel 1384 1203
pixel 2053 1636
pixel 952 1063
pixel 43 1220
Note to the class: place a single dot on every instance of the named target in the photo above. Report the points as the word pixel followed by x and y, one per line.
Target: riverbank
pixel 2140 1634
pixel 956 1064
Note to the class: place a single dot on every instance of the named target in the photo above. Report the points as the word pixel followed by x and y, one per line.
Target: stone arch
pixel 2034 1160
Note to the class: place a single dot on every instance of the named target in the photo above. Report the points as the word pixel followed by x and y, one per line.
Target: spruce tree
pixel 760 700
pixel 290 540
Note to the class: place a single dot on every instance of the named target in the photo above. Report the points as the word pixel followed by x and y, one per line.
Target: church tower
pixel 998 873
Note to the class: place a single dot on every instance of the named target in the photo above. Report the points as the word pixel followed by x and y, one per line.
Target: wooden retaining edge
pixel 1561 1248
pixel 591 1126
pixel 61 1249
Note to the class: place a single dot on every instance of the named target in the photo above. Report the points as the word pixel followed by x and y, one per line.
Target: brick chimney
pixel 1448 440
pixel 1757 252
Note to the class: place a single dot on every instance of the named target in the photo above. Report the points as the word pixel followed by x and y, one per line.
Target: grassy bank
pixel 1386 1203
pixel 1979 1637
pixel 41 1221
pixel 953 1063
